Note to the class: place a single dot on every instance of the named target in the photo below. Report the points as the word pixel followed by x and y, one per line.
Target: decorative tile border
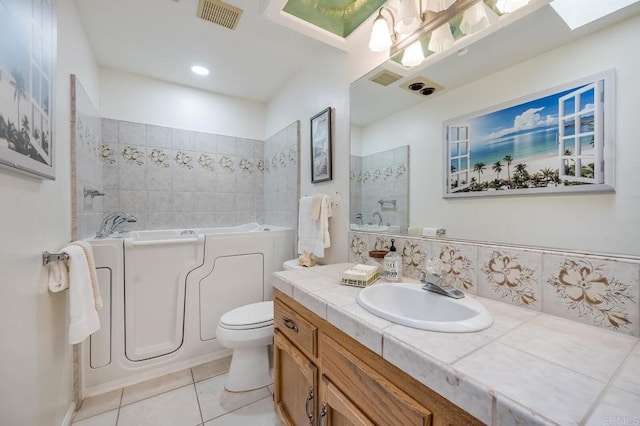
pixel 599 290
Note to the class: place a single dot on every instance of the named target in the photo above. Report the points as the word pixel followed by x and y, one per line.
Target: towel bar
pixel 53 257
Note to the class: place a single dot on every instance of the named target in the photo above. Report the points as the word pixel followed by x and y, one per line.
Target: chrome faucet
pixel 433 280
pixel 379 217
pixel 111 222
pixel 359 217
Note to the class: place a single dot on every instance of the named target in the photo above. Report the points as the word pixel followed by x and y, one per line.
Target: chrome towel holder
pixel 53 257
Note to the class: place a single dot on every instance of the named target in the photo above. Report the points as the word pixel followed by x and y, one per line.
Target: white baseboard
pixel 69 416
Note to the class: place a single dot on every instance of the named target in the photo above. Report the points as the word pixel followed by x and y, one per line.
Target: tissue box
pixel 360 275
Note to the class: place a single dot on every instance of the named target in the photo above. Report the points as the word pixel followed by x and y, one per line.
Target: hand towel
pixel 58 277
pixel 313 235
pixel 316 206
pixel 82 303
pixel 88 253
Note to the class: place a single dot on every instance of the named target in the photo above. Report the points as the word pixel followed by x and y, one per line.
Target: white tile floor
pixel 190 397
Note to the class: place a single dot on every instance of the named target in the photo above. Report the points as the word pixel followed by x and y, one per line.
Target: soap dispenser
pixel 393 264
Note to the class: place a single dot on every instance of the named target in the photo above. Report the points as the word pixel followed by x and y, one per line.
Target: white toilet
pixel 248 330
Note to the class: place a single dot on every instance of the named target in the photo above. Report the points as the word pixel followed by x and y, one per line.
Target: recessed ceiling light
pixel 200 70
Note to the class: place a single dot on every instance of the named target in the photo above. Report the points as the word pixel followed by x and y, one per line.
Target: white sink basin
pixel 410 305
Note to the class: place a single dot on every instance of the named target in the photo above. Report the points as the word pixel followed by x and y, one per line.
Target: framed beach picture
pixel 321 146
pixel 27 59
pixel 559 140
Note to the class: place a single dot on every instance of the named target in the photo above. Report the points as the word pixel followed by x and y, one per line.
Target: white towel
pixel 313 235
pixel 82 303
pixel 58 277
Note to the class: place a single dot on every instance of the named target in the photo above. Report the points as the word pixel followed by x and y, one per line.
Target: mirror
pixel 513 62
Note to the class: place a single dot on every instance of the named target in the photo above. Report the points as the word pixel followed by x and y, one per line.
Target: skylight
pixel 577 13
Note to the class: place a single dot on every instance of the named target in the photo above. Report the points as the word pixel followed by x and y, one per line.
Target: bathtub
pixel 163 293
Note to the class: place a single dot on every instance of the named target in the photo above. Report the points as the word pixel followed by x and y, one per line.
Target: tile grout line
pixel 197 398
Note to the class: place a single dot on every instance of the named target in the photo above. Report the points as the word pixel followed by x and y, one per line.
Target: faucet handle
pixel 433 266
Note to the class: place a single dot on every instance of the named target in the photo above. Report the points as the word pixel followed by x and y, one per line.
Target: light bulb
pixel 413 54
pixel 380 37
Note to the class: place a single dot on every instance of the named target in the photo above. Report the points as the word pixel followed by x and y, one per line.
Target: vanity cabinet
pixel 324 377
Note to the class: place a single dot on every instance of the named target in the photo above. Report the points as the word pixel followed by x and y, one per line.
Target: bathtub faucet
pixel 112 221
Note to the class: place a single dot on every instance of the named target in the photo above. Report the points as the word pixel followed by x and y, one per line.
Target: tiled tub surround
pixel 597 290
pixel 527 368
pixel 380 176
pixel 173 178
pixel 281 183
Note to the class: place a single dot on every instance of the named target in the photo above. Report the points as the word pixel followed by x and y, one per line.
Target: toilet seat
pixel 248 317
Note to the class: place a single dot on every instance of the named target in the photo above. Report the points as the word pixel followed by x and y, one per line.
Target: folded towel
pixel 88 253
pixel 58 277
pixel 82 303
pixel 313 235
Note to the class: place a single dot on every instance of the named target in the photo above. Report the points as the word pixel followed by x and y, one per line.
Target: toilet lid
pixel 255 315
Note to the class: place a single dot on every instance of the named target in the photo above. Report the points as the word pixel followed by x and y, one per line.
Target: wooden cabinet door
pixel 384 403
pixel 296 384
pixel 337 410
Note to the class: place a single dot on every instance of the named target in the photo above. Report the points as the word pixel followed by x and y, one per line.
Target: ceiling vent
pixel 386 77
pixel 219 12
pixel 421 86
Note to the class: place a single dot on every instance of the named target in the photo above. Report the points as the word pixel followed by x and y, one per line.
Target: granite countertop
pixel 527 368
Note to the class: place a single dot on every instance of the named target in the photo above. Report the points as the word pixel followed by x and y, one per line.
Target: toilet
pixel 248 330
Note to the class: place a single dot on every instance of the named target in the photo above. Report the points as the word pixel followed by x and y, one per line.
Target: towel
pixel 316 206
pixel 313 235
pixel 82 302
pixel 58 277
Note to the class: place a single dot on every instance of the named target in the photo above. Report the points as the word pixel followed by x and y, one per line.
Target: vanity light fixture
pixel 381 37
pixel 200 70
pixel 432 18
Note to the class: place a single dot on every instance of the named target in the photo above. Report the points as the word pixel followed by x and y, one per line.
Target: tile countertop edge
pixel 484 402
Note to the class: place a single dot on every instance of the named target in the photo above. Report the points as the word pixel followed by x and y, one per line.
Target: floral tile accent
pixel 260 165
pixel 227 164
pixel 183 160
pixel 401 170
pixel 593 290
pixel 206 161
pixel 246 165
pixel 274 162
pixel 358 248
pixel 377 175
pixel 109 153
pixel 414 252
pixel 388 173
pixel 366 176
pixel 458 265
pixel 293 156
pixel 159 158
pixel 133 155
pixel 283 159
pixel 511 276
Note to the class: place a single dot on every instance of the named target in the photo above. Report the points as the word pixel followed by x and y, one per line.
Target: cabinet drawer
pixel 383 402
pixel 300 331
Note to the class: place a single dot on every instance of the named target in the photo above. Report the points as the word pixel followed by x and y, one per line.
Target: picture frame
pixel 555 141
pixel 321 146
pixel 27 83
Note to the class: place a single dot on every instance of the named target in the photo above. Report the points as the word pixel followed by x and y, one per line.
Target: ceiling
pixel 162 39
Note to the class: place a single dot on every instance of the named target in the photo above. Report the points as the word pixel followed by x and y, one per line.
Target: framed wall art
pixel 27 59
pixel 559 140
pixel 321 146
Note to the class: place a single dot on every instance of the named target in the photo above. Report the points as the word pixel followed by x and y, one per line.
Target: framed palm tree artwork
pixel 27 59
pixel 559 140
pixel 321 168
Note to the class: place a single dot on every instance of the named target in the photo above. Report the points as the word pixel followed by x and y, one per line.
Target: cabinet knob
pixel 290 324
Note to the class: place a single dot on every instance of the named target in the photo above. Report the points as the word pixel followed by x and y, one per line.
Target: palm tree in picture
pixel 19 88
pixel 480 168
pixel 508 159
pixel 497 167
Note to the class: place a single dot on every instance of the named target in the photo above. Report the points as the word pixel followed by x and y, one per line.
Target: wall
pixel 133 98
pixel 594 222
pixel 175 178
pixel 36 384
pixel 320 85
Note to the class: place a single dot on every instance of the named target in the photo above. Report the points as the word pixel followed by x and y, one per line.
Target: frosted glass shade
pixel 441 38
pixel 474 19
pixel 508 6
pixel 439 5
pixel 380 36
pixel 408 17
pixel 413 55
